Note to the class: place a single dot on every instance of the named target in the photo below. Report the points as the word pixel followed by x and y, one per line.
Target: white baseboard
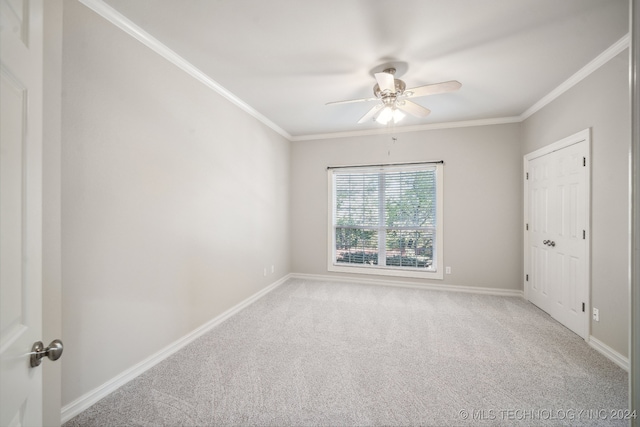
pixel 86 400
pixel 609 353
pixel 397 283
pixel 595 343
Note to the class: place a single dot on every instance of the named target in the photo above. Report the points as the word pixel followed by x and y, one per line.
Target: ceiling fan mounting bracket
pixel 399 67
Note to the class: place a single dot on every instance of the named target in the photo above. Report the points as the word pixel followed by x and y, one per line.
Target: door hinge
pixel 527 277
pixel 584 161
pixel 583 307
pixel 584 234
pixel 527 227
pixel 527 175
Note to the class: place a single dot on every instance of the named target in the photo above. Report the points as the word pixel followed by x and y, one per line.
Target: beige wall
pixel 482 187
pixel 173 202
pixel 483 192
pixel 150 159
pixel 599 102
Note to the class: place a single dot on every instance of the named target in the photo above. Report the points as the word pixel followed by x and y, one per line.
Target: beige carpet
pixel 336 354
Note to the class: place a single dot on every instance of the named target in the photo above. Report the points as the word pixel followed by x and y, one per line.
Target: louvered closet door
pixel 558 282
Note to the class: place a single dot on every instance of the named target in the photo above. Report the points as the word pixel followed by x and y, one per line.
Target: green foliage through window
pixel 385 217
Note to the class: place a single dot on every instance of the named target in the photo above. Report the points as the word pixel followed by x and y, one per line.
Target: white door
pixel 539 231
pixel 20 210
pixel 557 264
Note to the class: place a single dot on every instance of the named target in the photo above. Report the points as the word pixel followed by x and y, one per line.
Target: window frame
pixel 437 270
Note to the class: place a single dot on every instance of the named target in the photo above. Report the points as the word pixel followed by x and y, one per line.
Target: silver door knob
pixel 53 352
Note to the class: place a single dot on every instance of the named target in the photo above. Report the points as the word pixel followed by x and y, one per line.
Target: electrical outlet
pixel 447 270
pixel 596 314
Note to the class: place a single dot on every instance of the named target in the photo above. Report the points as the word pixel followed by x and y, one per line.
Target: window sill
pixel 393 272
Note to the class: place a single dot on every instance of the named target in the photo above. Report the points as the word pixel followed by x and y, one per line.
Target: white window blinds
pixel 385 217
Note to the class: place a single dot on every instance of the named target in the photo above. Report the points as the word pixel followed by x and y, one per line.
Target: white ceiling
pixel 287 58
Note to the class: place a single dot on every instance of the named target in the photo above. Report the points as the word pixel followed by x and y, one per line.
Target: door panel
pixel 13 109
pixel 539 218
pixel 20 210
pixel 557 212
pixel 570 244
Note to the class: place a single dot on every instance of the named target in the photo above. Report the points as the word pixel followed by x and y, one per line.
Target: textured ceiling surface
pixel 288 58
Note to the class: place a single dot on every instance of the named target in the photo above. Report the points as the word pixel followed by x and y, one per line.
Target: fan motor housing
pixel 400 86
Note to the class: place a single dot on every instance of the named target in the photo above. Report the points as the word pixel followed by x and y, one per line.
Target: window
pixel 386 220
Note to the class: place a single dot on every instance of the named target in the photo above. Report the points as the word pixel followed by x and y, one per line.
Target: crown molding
pixel 585 71
pixel 129 27
pixel 401 129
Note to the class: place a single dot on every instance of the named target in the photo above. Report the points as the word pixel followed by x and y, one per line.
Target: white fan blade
pixel 370 113
pixel 350 101
pixel 433 89
pixel 413 108
pixel 386 82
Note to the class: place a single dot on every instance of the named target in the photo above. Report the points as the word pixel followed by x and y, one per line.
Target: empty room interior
pixel 336 212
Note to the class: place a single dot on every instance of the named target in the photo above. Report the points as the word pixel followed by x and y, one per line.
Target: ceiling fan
pixel 394 96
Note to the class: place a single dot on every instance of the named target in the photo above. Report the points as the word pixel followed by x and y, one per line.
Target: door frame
pixel 582 136
pixel 52 207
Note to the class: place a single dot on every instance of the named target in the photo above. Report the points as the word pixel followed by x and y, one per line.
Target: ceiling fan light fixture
pixel 398 115
pixel 384 115
pixel 388 114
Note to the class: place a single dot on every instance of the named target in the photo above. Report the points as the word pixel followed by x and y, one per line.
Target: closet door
pixel 540 216
pixel 557 202
pixel 568 237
